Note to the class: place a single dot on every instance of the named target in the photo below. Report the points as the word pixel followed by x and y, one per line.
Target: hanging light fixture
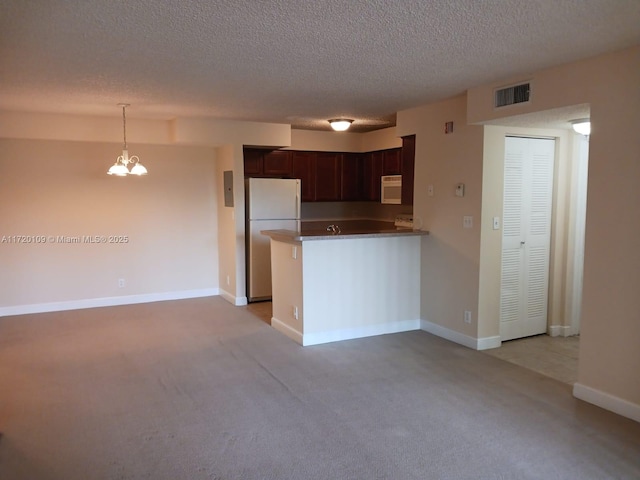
pixel 120 168
pixel 340 124
pixel 582 126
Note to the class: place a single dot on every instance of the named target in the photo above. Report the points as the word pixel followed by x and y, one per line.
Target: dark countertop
pixel 323 234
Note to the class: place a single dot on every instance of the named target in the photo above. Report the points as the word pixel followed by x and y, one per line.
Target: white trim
pixel 484 343
pixel 290 332
pixel 344 334
pixel 559 331
pixel 360 332
pixel 487 343
pixel 105 302
pixel 232 299
pixel 607 401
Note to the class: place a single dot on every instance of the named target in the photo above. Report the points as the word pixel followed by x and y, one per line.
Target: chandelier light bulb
pixel 120 168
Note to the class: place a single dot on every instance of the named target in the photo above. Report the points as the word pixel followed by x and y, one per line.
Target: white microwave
pixel 391 189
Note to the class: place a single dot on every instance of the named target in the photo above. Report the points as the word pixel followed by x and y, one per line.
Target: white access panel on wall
pixel 526 236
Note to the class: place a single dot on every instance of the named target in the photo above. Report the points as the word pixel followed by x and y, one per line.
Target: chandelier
pixel 121 167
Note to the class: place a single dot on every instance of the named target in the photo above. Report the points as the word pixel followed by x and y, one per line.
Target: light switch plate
pixel 430 190
pixel 496 223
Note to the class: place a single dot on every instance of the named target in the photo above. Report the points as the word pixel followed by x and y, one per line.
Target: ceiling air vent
pixel 512 95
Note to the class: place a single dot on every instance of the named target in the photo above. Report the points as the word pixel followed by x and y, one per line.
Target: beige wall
pixel 344 141
pixel 60 188
pixel 450 254
pixel 610 323
pixel 172 213
pixel 325 141
pixel 227 235
pixel 453 260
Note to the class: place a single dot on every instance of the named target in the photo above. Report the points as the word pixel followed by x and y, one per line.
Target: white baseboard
pixel 237 301
pixel 607 401
pixel 106 302
pixel 559 331
pixel 290 332
pixel 344 334
pixel 484 343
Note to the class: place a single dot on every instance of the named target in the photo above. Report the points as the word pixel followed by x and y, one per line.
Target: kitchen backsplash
pixel 351 210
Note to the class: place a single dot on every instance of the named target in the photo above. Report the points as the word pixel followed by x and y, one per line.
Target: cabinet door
pixel 328 174
pixel 253 161
pixel 277 163
pixel 408 166
pixel 304 169
pixel 392 162
pixel 351 179
pixel 371 173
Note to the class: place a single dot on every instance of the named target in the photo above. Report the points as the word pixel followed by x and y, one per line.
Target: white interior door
pixel 526 236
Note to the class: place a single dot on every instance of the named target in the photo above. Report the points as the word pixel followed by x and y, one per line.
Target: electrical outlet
pixel 121 283
pixel 228 280
pixel 295 312
pixel 467 221
pixel 467 316
pixel 294 252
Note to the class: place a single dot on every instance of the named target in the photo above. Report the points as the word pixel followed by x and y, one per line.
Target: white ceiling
pixel 287 61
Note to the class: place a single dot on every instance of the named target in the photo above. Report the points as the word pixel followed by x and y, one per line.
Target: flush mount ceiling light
pixel 120 168
pixel 340 124
pixel 582 126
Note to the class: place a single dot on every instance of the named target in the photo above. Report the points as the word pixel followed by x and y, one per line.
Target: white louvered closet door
pixel 526 236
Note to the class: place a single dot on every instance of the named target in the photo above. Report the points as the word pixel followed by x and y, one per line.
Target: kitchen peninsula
pixel 348 282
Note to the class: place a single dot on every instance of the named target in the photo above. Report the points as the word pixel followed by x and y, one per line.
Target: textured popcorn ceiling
pixel 287 61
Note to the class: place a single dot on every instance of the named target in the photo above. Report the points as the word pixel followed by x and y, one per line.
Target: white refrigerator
pixel 271 204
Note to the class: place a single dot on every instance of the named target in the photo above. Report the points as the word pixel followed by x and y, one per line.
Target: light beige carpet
pixel 199 389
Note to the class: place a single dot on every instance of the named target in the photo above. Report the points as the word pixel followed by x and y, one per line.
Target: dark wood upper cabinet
pixel 350 185
pixel 253 162
pixel 304 168
pixel 371 173
pixel 392 162
pixel 408 168
pixel 328 176
pixel 277 163
pixel 336 176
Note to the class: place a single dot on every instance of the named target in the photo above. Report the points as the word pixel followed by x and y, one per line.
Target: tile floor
pixel 555 357
pixel 262 310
